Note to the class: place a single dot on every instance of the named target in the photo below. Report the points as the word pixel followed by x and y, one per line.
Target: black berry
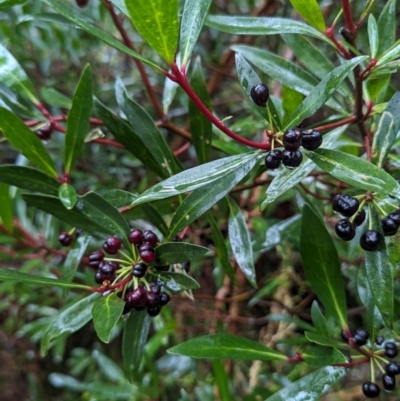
pixel 360 218
pixel 162 268
pixel 139 270
pixel 395 216
pixel 137 298
pixel 147 253
pixel 186 266
pixel 379 340
pixel 82 3
pixel 389 226
pixel 95 258
pixel 150 238
pixel 311 139
pixel 273 159
pixel 369 241
pixel 292 139
pixel 260 94
pixel 155 287
pixel 164 298
pixel 390 349
pixel 344 335
pixel 370 390
pixel 154 311
pixel 292 159
pixel 65 238
pixel 393 368
pixel 152 299
pixel 44 133
pixel 345 205
pixel 136 236
pixel 107 269
pixel 98 278
pixel 345 229
pixel 388 382
pixel 361 337
pixel 112 245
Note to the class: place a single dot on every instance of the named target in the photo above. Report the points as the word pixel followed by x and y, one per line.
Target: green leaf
pixel 155 218
pixel 169 253
pixel 387 26
pixel 119 198
pixel 323 356
pixel 221 379
pixel 28 178
pixel 78 119
pixel 226 346
pixel 67 195
pixel 354 171
pixel 10 275
pixel 68 321
pixel 106 312
pixel 193 17
pixel 325 341
pixel 204 198
pixel 239 238
pixel 55 98
pixel 23 139
pixel 262 26
pixel 385 135
pixel 380 273
pixel 392 54
pixel 147 131
pixel 12 75
pixel 318 320
pixel 322 92
pixel 134 339
pixel 310 387
pixel 195 177
pixel 124 134
pixel 6 4
pixel 71 15
pixel 310 11
pixel 373 36
pixel 6 209
pixel 321 265
pixel 157 22
pixel 248 78
pixel 200 126
pixel 178 282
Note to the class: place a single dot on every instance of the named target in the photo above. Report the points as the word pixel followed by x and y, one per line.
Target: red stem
pixel 348 17
pixel 327 127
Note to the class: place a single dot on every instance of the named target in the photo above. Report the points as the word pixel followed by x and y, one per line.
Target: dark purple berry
pixel 82 3
pixel 155 287
pixel 393 368
pixel 292 139
pixel 164 298
pixel 45 132
pixel 390 349
pixel 379 340
pixel 147 253
pixel 395 216
pixel 186 266
pixel 389 226
pixel 370 390
pixel 291 159
pixel 136 236
pixel 273 159
pixel 345 229
pixel 107 269
pixel 361 337
pixel 112 245
pixel 345 205
pixel 154 311
pixel 311 139
pixel 388 382
pixel 65 238
pixel 370 240
pixel 260 95
pixel 152 299
pixel 95 258
pixel 344 335
pixel 137 298
pixel 360 218
pixel 150 238
pixel 139 270
pixel 98 277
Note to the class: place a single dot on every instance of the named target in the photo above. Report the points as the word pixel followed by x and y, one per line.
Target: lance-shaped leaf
pixel 12 75
pixel 226 346
pixel 106 312
pixel 311 12
pixel 68 321
pixel 323 356
pixel 147 131
pixel 385 135
pixel 321 265
pixel 169 253
pixel 157 22
pixel 67 195
pixel 6 209
pixel 23 139
pixel 262 26
pixel 387 26
pixel 78 119
pixel 322 92
pixel 319 320
pixel 373 36
pixel 200 126
pixel 248 78
pixel 202 199
pixel 193 17
pixel 178 282
pixel 325 341
pixel 71 15
pixel 5 4
pixel 134 339
pixel 239 238
pixel 310 387
pixel 355 171
pixel 195 177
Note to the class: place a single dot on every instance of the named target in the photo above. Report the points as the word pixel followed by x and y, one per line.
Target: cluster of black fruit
pixel 392 369
pixel 145 242
pixel 345 228
pixel 292 139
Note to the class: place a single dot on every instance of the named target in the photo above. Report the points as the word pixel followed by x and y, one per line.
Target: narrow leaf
pixel 325 341
pixel 178 282
pixel 239 238
pixel 311 12
pixel 157 22
pixel 387 26
pixel 23 139
pixel 78 119
pixel 193 17
pixel 321 265
pixel 373 36
pixel 6 209
pixel 226 346
pixel 323 356
pixel 318 320
pixel 67 195
pixel 177 252
pixel 106 312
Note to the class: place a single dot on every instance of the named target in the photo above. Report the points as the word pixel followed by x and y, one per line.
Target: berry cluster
pixel 126 273
pixel 355 215
pixel 291 156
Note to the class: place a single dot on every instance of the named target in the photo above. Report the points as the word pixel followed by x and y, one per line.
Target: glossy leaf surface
pixel 67 195
pixel 311 12
pixel 373 35
pixel 178 252
pixel 178 282
pixel 323 356
pixel 387 26
pixel 321 265
pixel 226 346
pixel 318 320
